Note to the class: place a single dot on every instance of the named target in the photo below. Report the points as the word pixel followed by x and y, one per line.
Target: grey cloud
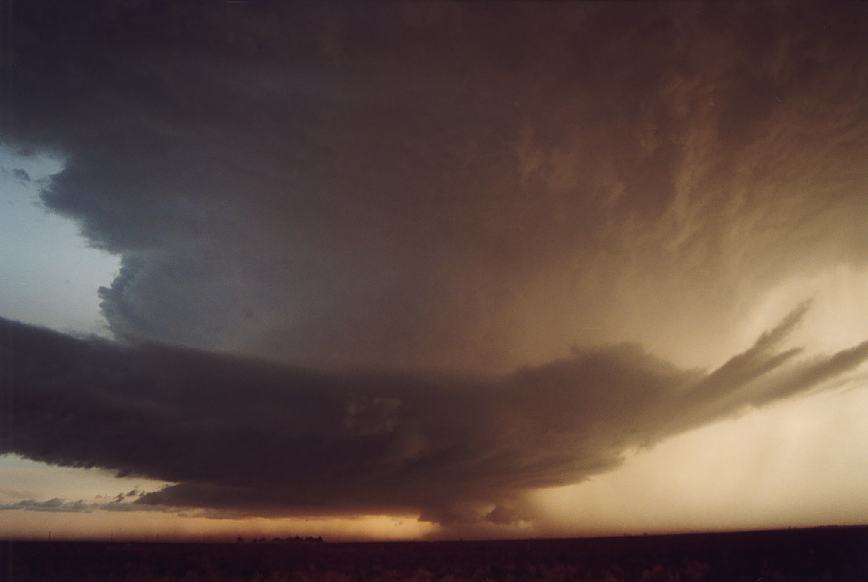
pixel 365 194
pixel 445 185
pixel 60 505
pixel 254 437
pixel 55 504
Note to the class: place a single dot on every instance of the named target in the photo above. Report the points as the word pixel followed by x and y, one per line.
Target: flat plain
pixel 822 554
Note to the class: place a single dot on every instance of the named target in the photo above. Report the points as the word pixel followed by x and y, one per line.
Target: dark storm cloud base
pixel 252 437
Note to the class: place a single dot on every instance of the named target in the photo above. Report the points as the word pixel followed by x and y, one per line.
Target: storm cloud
pixel 446 185
pixel 383 257
pixel 253 437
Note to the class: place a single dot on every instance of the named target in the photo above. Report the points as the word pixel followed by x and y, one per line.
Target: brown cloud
pixel 434 186
pixel 448 185
pixel 255 437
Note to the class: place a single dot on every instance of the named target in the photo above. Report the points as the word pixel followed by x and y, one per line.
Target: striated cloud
pixel 255 437
pixel 444 184
pixel 357 241
pixel 60 505
pixel 55 504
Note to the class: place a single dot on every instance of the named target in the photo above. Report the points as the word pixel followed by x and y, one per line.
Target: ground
pixel 827 554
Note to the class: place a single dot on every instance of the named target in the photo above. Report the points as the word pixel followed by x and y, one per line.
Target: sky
pixel 432 270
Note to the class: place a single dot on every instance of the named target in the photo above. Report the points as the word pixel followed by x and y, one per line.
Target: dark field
pixel 832 554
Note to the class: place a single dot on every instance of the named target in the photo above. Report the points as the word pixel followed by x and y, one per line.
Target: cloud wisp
pixel 254 437
pixel 61 505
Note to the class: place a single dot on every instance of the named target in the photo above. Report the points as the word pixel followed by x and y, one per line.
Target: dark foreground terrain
pixel 833 554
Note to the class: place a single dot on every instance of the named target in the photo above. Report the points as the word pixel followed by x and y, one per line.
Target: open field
pixel 827 554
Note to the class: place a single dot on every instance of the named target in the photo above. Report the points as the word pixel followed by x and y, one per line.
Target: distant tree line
pixel 286 540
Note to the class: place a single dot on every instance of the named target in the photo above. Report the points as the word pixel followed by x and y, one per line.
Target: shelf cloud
pixel 429 257
pixel 253 437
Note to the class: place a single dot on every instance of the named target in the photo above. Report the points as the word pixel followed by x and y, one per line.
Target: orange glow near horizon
pixel 159 526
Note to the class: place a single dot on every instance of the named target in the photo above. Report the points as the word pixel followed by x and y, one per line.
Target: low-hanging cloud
pixel 61 505
pixel 254 437
pixel 54 505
